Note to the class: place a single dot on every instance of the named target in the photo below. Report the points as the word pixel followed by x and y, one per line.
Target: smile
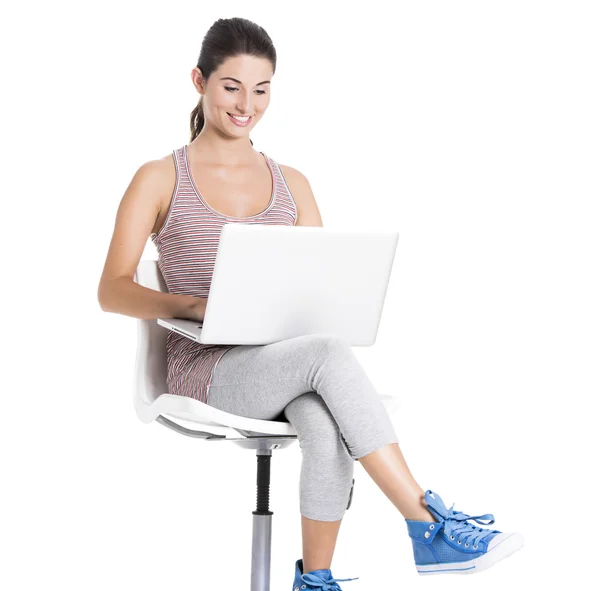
pixel 240 121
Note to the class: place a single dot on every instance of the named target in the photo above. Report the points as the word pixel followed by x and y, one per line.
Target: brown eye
pixel 230 88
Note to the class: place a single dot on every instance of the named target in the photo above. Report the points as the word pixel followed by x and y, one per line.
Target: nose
pixel 244 105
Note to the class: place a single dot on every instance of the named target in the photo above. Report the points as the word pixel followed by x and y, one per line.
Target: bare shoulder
pixel 159 176
pixel 308 210
pixel 151 188
pixel 157 173
pixel 294 177
pixel 166 167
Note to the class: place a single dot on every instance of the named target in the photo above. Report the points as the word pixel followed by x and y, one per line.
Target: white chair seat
pixel 220 422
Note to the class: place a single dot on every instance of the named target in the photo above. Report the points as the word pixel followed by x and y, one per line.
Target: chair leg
pixel 261 525
pixel 262 522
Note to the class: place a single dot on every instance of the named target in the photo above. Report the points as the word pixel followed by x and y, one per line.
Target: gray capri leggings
pixel 316 382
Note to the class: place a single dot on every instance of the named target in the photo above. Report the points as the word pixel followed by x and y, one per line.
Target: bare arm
pixel 136 216
pixel 124 296
pixel 308 210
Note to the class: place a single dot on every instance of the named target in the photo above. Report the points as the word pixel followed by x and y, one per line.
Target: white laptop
pixel 275 282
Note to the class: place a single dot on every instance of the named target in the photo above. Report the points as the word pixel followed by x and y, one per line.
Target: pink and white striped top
pixel 187 248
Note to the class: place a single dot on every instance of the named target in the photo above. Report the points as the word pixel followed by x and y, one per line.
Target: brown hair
pixel 229 37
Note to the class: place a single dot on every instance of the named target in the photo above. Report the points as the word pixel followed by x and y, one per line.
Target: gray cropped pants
pixel 316 382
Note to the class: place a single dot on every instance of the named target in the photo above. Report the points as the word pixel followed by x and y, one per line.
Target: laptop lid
pixel 275 282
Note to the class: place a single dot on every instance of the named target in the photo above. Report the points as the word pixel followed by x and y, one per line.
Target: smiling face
pixel 240 86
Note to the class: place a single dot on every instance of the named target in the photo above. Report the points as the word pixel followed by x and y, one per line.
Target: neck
pixel 212 147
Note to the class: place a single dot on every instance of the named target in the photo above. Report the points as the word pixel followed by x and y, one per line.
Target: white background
pixel 471 128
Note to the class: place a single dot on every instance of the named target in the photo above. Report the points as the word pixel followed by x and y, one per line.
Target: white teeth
pixel 243 119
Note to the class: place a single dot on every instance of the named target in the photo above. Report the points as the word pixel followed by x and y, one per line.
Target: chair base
pixel 261 517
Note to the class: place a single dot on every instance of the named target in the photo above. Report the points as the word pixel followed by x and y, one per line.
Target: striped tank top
pixel 187 248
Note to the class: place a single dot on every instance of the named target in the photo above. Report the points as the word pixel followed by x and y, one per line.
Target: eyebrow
pixel 239 82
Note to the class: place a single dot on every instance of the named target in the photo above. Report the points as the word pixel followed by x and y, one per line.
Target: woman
pixel 314 381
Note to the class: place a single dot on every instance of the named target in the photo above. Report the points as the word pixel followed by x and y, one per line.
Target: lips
pixel 239 123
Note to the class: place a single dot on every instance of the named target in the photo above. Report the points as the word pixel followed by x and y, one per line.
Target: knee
pixel 311 418
pixel 318 432
pixel 331 345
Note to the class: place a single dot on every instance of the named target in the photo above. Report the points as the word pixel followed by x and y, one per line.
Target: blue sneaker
pixel 452 545
pixel 320 580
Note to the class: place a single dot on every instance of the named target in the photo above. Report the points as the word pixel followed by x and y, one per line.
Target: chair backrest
pixel 150 379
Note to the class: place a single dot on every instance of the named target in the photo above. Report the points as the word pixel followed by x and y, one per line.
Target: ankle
pixel 309 568
pixel 420 511
pixel 423 515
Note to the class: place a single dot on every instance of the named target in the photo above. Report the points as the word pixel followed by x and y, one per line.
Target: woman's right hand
pixel 197 310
